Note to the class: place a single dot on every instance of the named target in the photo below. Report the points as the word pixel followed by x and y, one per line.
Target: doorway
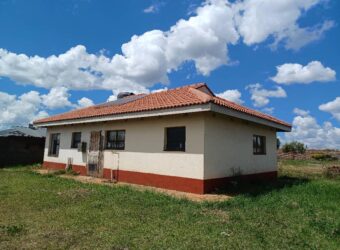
pixel 95 155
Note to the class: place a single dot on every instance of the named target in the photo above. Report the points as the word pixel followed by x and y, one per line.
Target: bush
pixel 294 147
pixel 332 172
pixel 323 157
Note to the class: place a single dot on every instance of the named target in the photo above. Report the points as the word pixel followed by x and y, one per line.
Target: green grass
pixel 51 212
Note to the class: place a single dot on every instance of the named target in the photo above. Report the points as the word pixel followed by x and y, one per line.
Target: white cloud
pixel 20 110
pixel 153 8
pixel 85 102
pixel 145 59
pixel 57 98
pixel 268 110
pixel 112 98
pixel 258 20
pixel 150 9
pixel 332 107
pixel 202 38
pixel 260 96
pixel 232 95
pixel 296 37
pixel 300 112
pixel 290 73
pixel 30 106
pixel 307 130
pixel 159 90
pixel 148 58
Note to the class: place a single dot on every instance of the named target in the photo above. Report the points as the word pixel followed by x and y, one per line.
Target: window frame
pixel 116 141
pixel 258 148
pixel 166 139
pixel 51 145
pixel 72 140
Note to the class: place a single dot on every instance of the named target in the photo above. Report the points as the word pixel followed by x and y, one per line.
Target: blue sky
pixel 224 44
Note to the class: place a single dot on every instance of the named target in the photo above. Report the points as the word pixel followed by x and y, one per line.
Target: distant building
pixel 22 145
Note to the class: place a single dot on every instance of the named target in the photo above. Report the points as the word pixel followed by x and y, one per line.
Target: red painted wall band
pixel 61 166
pixel 183 184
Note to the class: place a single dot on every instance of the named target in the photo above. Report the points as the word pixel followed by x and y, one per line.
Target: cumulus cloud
pixel 30 106
pixel 232 95
pixel 159 90
pixel 112 98
pixel 85 102
pixel 57 98
pixel 300 112
pixel 148 58
pixel 306 129
pixel 258 20
pixel 145 59
pixel 332 107
pixel 20 110
pixel 153 8
pixel 268 110
pixel 290 73
pixel 260 96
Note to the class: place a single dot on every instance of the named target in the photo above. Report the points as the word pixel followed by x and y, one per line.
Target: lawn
pixel 301 210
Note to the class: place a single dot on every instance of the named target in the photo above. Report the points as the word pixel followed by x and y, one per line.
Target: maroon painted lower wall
pixel 189 185
pixel 180 183
pixel 61 166
pixel 212 185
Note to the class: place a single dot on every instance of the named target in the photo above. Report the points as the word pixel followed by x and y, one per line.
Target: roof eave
pixel 172 111
pixel 247 117
pixel 134 115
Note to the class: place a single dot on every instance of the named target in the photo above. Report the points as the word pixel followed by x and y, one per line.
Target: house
pixel 22 145
pixel 184 139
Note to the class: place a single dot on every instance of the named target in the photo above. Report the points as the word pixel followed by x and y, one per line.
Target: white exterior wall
pixel 228 147
pixel 144 144
pixel 216 146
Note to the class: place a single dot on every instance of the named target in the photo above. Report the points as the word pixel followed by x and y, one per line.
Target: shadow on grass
pixel 256 188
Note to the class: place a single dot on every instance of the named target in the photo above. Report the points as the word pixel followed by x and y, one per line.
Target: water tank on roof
pixel 124 94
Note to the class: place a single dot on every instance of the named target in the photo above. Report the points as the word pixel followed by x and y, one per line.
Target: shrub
pixel 323 157
pixel 332 172
pixel 278 143
pixel 294 147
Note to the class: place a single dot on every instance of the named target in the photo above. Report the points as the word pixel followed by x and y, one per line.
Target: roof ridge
pixel 201 95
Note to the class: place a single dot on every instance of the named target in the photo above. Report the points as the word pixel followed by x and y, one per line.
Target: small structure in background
pixel 22 145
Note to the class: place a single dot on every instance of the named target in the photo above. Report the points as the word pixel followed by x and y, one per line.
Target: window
pixel 259 145
pixel 76 138
pixel 175 139
pixel 54 145
pixel 115 139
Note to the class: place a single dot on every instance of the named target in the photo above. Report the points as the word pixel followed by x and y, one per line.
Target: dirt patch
pixel 75 193
pixel 221 215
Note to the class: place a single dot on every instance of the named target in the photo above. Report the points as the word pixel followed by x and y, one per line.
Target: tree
pixel 294 147
pixel 278 143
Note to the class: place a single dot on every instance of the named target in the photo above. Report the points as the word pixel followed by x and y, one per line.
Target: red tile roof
pixel 173 98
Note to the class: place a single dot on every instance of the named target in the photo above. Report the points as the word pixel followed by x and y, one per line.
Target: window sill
pixel 56 156
pixel 174 150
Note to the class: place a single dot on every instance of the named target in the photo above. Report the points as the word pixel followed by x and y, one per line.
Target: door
pixel 95 155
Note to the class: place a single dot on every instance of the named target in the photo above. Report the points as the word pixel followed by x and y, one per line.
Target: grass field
pixel 300 211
